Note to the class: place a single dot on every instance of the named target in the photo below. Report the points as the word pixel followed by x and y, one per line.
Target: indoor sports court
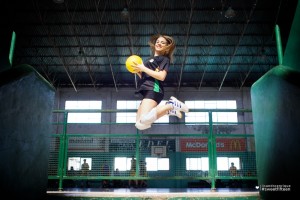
pixel 220 120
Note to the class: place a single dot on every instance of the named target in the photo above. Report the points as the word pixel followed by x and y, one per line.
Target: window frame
pixel 196 118
pixel 82 117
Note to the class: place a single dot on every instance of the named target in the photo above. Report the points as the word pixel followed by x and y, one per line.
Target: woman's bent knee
pixel 141 126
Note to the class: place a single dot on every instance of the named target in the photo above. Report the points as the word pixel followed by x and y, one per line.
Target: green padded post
pixel 26 108
pixel 7 46
pixel 276 112
pixel 279 45
pixel 12 48
pixel 291 54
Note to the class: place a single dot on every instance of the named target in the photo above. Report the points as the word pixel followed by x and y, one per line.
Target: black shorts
pixel 149 94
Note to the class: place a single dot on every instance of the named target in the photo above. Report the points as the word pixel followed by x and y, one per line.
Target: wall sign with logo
pixel 223 144
pixel 117 144
pixel 86 144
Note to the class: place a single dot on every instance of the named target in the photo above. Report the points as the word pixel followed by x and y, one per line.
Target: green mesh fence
pixel 197 155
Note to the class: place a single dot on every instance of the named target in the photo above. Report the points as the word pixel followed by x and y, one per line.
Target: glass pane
pixel 126 117
pixel 88 161
pixel 196 117
pixel 151 164
pixel 83 117
pixel 83 104
pixel 222 163
pixel 163 163
pixel 128 163
pixel 192 163
pixel 231 104
pixel 236 162
pixel 74 162
pixel 120 163
pixel 205 164
pixel 210 104
pixel 217 116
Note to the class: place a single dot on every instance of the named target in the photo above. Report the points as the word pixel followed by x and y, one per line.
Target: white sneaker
pixel 178 105
pixel 176 113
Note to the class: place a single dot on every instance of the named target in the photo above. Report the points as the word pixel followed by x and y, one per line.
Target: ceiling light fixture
pixel 230 13
pixel 125 13
pixel 80 52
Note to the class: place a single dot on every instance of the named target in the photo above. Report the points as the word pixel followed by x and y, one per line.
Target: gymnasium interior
pixel 68 102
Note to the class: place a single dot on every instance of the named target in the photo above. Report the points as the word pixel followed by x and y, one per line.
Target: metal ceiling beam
pixel 272 35
pixel 247 75
pixel 205 31
pixel 207 58
pixel 159 14
pixel 104 41
pixel 47 72
pixel 79 44
pixel 192 2
pixel 127 17
pixel 254 63
pixel 238 44
pixel 129 28
pixel 211 45
pixel 43 65
pixel 54 46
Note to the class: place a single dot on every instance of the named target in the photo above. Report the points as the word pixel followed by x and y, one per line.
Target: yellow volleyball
pixel 129 62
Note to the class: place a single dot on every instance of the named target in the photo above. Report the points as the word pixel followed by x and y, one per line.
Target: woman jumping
pixel 152 73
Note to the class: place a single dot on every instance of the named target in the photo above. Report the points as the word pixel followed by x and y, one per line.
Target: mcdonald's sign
pixel 235 145
pixel 222 144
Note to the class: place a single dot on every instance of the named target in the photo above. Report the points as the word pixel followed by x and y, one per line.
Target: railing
pixel 107 140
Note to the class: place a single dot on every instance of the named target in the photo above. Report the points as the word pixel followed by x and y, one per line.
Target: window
pixel 127 117
pixel 224 163
pixel 197 164
pixel 130 117
pixel 155 164
pixel 83 117
pixel 152 164
pixel 122 163
pixel 76 162
pixel 217 116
